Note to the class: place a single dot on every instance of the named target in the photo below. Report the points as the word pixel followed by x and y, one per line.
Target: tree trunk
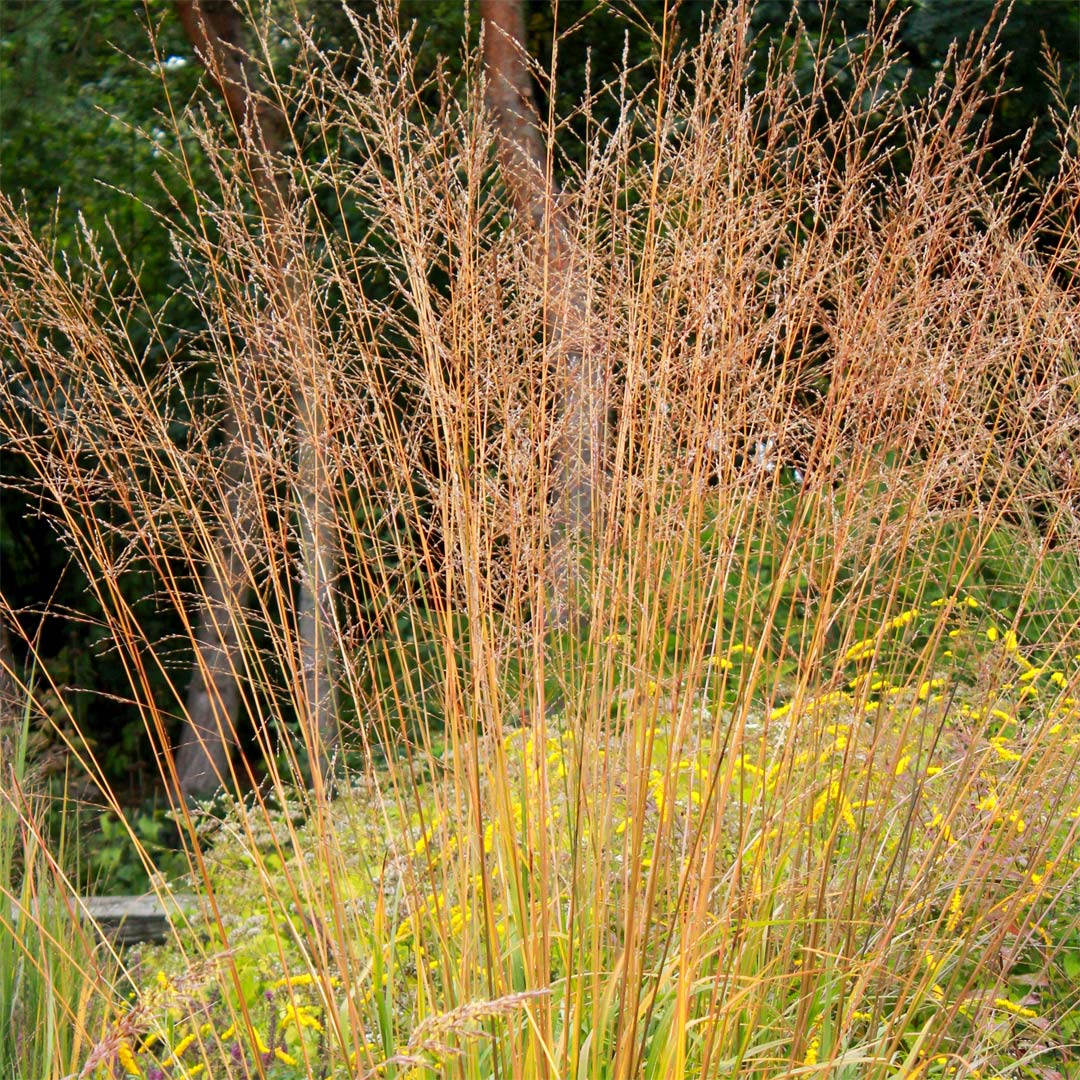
pixel 213 697
pixel 217 32
pixel 577 447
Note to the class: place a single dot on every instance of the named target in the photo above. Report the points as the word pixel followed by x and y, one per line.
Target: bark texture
pixel 217 31
pixel 213 698
pixel 577 447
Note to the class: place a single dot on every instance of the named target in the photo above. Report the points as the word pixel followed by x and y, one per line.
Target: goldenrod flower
pixel 1015 1009
pixel 127 1059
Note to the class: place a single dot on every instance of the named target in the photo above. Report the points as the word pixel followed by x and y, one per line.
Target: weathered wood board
pixel 128 920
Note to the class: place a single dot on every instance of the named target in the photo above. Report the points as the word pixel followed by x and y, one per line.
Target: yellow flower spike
pixel 307 979
pixel 780 710
pixel 1010 642
pixel 812 1052
pixel 956 910
pixel 902 765
pixel 861 649
pixel 992 633
pixel 1015 1009
pixel 1059 680
pixel 1041 930
pixel 1002 751
pixel 283 1057
pixel 126 1058
pixel 181 1046
pixel 971 602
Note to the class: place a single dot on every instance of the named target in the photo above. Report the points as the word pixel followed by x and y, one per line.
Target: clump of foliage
pixel 52 975
pixel 795 792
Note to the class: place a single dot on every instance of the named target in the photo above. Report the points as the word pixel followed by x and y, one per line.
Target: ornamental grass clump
pixel 53 974
pixel 792 791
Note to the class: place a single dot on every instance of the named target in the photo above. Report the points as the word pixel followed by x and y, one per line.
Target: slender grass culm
pixel 797 796
pixel 52 975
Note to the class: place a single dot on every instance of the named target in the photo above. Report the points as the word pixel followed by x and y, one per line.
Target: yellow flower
pixel 956 909
pixel 179 1048
pixel 861 649
pixel 127 1059
pixel 1016 1010
pixel 997 744
pixel 301 1016
pixel 833 794
pixel 294 980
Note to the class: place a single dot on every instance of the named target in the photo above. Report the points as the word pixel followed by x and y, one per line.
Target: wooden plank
pixel 128 920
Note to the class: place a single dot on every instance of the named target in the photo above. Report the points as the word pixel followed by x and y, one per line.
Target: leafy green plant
pixel 50 971
pixel 114 850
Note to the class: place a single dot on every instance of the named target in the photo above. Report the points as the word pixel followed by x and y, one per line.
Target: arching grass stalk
pixel 799 798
